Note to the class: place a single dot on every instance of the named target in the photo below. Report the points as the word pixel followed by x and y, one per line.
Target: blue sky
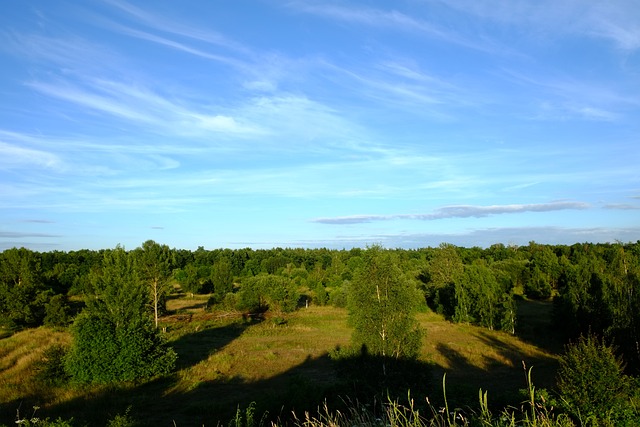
pixel 318 124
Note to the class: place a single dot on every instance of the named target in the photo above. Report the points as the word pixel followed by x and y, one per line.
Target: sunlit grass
pixel 19 355
pixel 226 361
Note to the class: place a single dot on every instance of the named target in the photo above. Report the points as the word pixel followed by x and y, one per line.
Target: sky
pixel 338 124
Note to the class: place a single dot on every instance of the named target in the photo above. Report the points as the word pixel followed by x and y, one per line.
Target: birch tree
pixel 153 263
pixel 382 305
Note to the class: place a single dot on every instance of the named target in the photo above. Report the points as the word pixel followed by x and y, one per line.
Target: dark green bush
pixel 57 311
pixel 103 353
pixel 592 384
pixel 50 370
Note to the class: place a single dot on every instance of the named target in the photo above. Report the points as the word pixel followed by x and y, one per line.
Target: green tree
pixel 481 299
pixel 114 338
pixel 222 278
pixel 153 264
pixel 382 303
pixel 22 292
pixel 268 292
pixel 57 311
pixel 443 271
pixel 544 272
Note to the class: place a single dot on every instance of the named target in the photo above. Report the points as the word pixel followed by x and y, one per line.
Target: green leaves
pixel 22 292
pixel 267 291
pixel 591 380
pixel 104 353
pixel 382 305
pixel 114 339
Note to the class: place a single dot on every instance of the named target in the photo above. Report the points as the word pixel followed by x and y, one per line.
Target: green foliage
pixel 118 293
pixel 246 418
pixel 122 420
pixel 537 285
pixel 94 350
pixel 194 279
pixel 442 273
pixel 598 293
pixel 50 370
pixel 153 266
pixel 104 353
pixel 544 272
pixel 481 299
pixel 114 339
pixel 22 291
pixel 268 292
pixel 592 384
pixel 222 277
pixel 34 421
pixel 382 305
pixel 57 311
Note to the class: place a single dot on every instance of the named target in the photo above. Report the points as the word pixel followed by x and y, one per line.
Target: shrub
pixel 50 370
pixel 591 382
pixel 57 311
pixel 103 353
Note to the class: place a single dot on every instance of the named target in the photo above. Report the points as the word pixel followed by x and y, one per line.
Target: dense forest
pixel 118 296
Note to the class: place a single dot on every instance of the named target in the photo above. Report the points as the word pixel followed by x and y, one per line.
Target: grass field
pixel 226 362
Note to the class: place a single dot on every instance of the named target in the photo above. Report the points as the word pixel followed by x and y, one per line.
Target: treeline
pixel 595 287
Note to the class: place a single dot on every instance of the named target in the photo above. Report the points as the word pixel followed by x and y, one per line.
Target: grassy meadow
pixel 280 363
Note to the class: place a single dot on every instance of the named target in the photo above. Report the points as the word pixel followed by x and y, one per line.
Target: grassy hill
pixel 281 364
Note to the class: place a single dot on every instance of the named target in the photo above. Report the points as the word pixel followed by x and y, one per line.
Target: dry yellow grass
pixel 188 304
pixel 18 356
pixel 474 358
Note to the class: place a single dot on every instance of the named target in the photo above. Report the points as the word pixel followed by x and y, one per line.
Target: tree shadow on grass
pixel 195 347
pixel 306 387
pixel 502 376
pixel 339 382
pixel 535 325
pixel 543 365
pixel 102 403
pixel 339 379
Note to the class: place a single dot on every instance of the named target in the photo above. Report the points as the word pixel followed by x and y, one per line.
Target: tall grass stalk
pixel 532 413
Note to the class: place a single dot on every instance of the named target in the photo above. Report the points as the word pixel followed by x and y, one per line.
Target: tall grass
pixel 534 412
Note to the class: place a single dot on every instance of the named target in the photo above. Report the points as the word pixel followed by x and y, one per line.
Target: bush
pixel 57 311
pixel 268 292
pixel 103 353
pixel 592 384
pixel 50 370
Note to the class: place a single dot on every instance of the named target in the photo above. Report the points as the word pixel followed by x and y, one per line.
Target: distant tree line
pixel 595 287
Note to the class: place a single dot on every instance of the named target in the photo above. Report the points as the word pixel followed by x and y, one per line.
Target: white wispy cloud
pixel 397 84
pixel 563 97
pixel 183 47
pixel 461 211
pixel 617 22
pixel 140 105
pixel 14 156
pixel 69 54
pixel 96 100
pixel 173 26
pixel 397 21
